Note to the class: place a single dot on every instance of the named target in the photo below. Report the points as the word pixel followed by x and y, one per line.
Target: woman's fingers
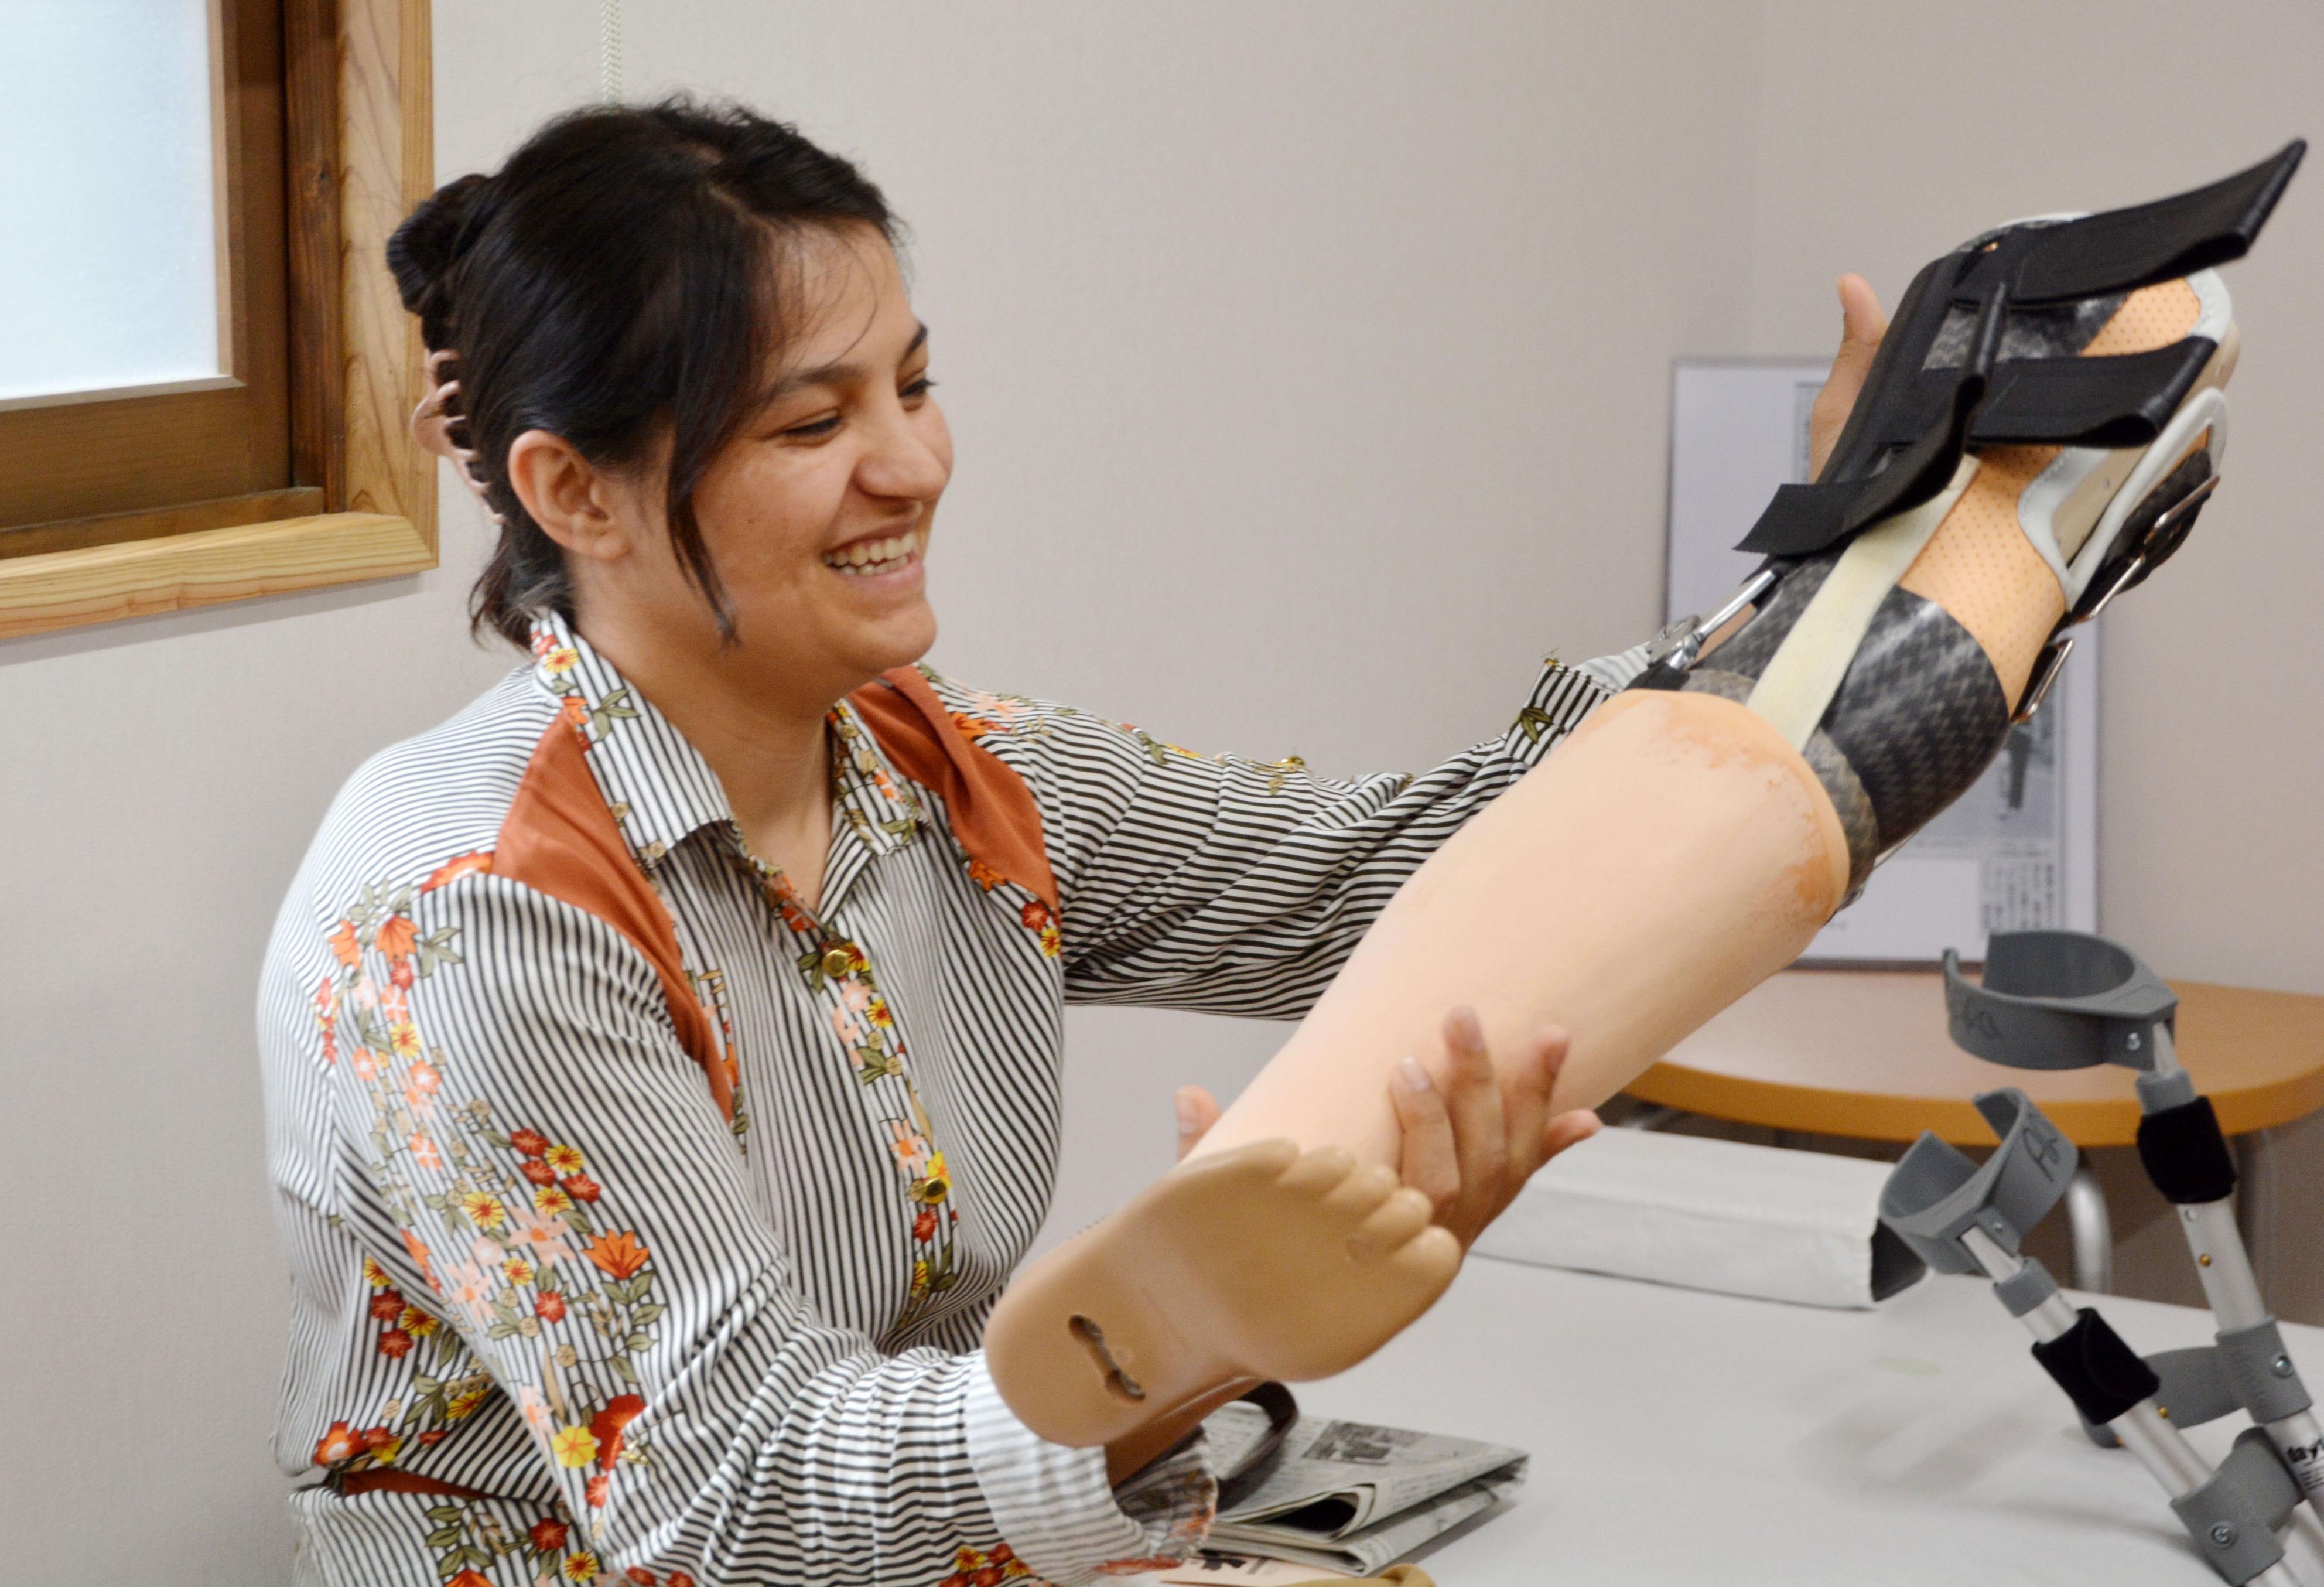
pixel 1862 324
pixel 1569 1129
pixel 1472 1134
pixel 1480 1137
pixel 1198 1109
pixel 1429 1162
pixel 1526 1103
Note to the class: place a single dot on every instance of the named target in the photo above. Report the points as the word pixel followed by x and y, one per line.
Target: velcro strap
pixel 1804 519
pixel 2123 399
pixel 2123 250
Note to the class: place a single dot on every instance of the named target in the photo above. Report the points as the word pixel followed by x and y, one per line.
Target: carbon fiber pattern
pixel 2053 330
pixel 1918 716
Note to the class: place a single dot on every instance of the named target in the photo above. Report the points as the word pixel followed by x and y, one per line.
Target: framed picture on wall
pixel 2020 849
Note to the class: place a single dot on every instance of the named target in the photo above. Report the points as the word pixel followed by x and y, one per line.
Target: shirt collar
pixel 661 790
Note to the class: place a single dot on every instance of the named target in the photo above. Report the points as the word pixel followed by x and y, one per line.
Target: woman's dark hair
pixel 618 277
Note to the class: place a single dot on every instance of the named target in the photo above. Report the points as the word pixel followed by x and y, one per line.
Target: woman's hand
pixel 1862 324
pixel 1198 1109
pixel 1472 1137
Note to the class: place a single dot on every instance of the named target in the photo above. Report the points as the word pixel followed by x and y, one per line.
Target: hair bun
pixel 422 252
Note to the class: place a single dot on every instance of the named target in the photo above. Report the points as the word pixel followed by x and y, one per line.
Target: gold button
pixel 837 961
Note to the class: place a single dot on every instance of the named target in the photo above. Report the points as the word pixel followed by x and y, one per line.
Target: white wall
pixel 1309 368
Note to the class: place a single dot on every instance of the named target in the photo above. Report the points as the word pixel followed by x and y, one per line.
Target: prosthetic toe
pixel 2042 423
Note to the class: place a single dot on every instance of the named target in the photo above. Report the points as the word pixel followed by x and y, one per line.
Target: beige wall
pixel 1880 145
pixel 1309 367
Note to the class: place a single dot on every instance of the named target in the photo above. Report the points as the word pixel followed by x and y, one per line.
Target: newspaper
pixel 1348 1496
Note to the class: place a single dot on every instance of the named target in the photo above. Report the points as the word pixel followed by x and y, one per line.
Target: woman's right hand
pixel 1472 1135
pixel 1474 1131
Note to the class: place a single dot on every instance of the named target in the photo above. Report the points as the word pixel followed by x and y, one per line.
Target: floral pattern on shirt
pixel 866 1029
pixel 470 1539
pixel 987 1567
pixel 368 1118
pixel 538 1261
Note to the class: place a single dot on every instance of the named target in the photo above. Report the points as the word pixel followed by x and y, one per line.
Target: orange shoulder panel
pixel 559 838
pixel 994 816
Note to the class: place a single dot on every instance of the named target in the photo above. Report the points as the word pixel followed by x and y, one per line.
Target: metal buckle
pixel 1681 641
pixel 2163 522
pixel 2053 655
pixel 1678 637
pixel 2046 668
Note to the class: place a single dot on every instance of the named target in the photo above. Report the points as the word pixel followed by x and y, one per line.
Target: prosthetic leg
pixel 2067 1000
pixel 2040 429
pixel 2037 432
pixel 1961 1218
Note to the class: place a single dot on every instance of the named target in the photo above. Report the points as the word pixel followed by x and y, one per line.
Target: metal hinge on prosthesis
pixel 2167 533
pixel 1900 445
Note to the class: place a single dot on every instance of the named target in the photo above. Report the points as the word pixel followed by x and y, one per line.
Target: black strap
pixel 2123 250
pixel 1806 518
pixel 1914 424
pixel 1253 1469
pixel 2121 400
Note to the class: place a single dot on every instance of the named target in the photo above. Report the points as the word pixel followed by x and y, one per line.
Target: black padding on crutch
pixel 2099 1373
pixel 2195 1390
pixel 2185 1154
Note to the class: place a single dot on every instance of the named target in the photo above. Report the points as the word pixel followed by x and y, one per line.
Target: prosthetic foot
pixel 2038 428
pixel 2042 423
pixel 1265 1262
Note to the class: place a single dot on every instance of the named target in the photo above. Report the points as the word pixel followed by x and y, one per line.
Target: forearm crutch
pixel 2067 1000
pixel 1961 1217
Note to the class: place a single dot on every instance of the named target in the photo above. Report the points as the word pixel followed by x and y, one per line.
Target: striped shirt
pixel 670 1263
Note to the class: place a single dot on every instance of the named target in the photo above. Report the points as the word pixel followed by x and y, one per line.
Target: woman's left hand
pixel 1862 323
pixel 1472 1136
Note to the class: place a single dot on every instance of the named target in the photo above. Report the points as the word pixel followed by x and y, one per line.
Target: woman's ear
pixel 569 497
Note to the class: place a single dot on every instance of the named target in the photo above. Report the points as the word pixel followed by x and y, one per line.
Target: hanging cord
pixel 609 51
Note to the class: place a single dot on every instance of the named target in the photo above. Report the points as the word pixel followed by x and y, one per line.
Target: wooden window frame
pixel 361 504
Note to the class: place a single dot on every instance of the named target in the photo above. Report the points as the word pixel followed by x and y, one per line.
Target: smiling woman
pixel 663 1056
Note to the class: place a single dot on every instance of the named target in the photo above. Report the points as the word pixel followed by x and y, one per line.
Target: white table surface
pixel 1683 1437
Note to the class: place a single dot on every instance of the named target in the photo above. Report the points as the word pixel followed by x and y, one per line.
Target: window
pixel 204 371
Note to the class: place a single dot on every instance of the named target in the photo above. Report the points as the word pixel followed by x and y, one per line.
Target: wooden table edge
pixel 1857 1115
